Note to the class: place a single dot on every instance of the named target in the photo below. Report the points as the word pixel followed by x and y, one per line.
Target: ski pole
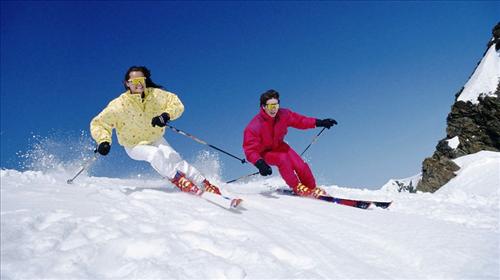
pixel 312 142
pixel 242 177
pixel 204 143
pixel 85 166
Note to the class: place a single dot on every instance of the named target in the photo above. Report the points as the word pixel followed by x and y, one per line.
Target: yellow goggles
pixel 272 106
pixel 138 80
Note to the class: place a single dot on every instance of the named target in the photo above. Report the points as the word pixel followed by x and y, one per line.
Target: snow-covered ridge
pixel 402 185
pixel 485 79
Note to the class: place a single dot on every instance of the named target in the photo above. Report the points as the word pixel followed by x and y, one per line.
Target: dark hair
pixel 147 74
pixel 270 94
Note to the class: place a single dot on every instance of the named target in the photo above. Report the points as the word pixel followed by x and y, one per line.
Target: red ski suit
pixel 264 138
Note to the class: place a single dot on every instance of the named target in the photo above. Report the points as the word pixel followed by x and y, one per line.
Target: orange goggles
pixel 138 80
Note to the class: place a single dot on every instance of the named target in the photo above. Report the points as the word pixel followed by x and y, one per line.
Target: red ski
pixel 363 204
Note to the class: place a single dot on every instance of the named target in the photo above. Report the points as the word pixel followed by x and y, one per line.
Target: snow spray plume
pixel 208 164
pixel 56 152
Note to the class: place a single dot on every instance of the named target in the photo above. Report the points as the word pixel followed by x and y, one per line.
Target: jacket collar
pixel 266 117
pixel 138 97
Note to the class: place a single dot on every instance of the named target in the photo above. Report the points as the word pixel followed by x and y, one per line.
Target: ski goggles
pixel 138 81
pixel 273 106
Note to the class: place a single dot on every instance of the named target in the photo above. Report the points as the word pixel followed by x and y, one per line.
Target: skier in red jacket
pixel 263 143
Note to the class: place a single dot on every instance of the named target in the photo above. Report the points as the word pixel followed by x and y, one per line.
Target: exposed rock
pixel 496 37
pixel 436 171
pixel 477 127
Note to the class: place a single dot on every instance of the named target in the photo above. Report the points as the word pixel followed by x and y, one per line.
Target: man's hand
pixel 264 168
pixel 325 123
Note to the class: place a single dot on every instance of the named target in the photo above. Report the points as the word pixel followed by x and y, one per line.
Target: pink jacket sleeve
pixel 251 145
pixel 301 122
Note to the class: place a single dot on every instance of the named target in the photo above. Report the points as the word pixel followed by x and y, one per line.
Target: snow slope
pixel 103 228
pixel 485 79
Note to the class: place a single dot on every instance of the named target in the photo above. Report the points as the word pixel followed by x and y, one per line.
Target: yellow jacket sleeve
pixel 173 106
pixel 101 127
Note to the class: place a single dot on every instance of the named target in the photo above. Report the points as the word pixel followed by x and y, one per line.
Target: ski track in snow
pixel 101 228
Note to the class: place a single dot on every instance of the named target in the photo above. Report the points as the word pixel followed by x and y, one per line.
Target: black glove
pixel 264 168
pixel 103 148
pixel 160 120
pixel 325 123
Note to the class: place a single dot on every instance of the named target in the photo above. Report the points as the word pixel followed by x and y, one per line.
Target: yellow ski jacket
pixel 131 116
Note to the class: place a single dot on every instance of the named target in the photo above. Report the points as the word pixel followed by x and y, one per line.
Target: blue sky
pixel 386 71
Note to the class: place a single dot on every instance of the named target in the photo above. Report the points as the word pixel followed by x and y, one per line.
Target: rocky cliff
pixel 473 123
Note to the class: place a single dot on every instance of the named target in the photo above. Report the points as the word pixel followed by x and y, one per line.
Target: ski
pixel 348 202
pixel 382 204
pixel 185 185
pixel 223 201
pixel 363 204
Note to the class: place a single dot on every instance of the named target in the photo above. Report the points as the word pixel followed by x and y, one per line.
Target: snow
pixel 485 163
pixel 107 228
pixel 484 80
pixel 453 142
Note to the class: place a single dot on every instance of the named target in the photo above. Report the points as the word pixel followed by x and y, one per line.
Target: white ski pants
pixel 165 160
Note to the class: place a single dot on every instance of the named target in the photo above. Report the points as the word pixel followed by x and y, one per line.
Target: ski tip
pixel 236 202
pixel 383 205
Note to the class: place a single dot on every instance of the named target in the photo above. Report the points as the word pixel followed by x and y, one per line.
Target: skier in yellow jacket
pixel 139 116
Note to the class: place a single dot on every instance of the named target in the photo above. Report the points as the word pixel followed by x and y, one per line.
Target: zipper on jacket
pixel 275 120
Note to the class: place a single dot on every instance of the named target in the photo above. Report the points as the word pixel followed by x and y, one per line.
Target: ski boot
pixel 317 192
pixel 185 184
pixel 210 188
pixel 303 190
